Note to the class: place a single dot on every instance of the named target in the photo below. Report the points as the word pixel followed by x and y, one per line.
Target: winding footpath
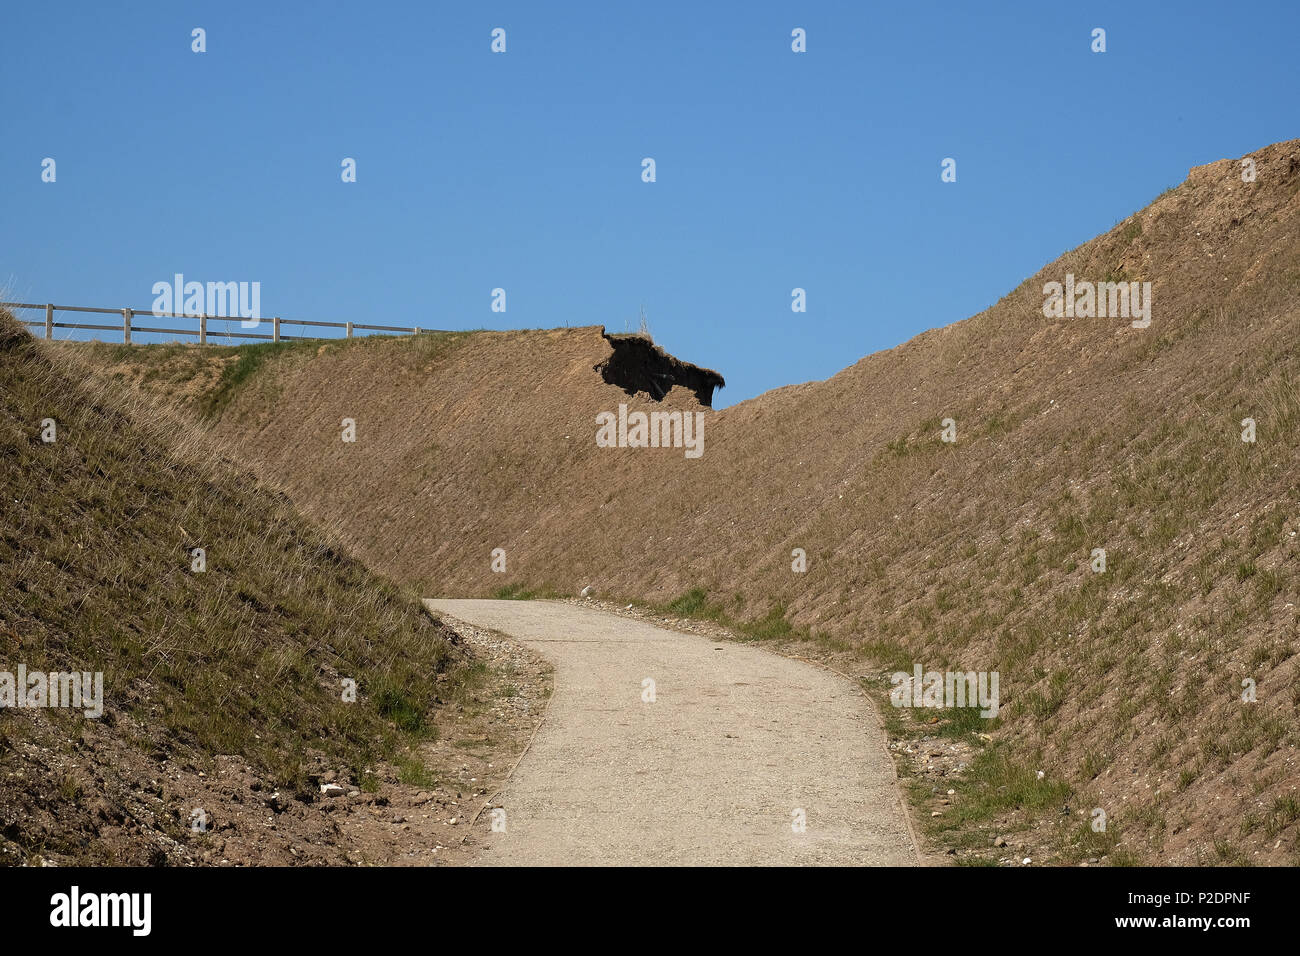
pixel 736 743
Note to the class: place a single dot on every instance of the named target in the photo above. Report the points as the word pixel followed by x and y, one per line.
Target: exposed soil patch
pixel 111 802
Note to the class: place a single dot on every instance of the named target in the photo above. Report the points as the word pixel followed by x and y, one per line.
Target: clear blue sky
pixel 522 170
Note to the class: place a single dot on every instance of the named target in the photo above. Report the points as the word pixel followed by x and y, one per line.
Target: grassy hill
pixel 235 664
pixel 1123 688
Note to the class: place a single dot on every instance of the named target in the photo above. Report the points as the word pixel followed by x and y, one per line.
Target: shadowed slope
pixel 241 662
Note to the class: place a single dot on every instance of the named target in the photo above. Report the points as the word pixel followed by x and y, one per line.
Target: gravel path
pixel 711 772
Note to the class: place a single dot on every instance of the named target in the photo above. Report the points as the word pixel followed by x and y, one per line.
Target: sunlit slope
pixel 1072 434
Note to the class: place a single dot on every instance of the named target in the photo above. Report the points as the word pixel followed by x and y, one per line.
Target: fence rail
pixel 203 333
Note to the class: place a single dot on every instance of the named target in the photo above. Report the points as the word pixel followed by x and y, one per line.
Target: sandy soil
pixel 713 771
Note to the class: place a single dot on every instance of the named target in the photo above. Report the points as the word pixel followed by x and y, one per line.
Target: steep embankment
pixel 1073 434
pixel 222 696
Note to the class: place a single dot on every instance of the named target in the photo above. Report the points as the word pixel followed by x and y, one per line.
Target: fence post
pixel 203 330
pixel 349 330
pixel 126 326
pixel 49 321
pixel 275 329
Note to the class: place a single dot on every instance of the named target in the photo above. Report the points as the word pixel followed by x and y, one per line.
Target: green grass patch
pixel 524 592
pixel 237 374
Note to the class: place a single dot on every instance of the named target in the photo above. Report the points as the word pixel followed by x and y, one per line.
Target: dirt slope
pixel 221 683
pixel 1123 687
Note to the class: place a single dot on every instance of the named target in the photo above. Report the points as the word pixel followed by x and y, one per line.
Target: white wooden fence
pixel 128 325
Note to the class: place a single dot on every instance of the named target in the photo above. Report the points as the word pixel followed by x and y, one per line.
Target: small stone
pixel 1000 841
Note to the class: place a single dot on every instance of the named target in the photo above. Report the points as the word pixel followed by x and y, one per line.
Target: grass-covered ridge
pixel 205 379
pixel 249 657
